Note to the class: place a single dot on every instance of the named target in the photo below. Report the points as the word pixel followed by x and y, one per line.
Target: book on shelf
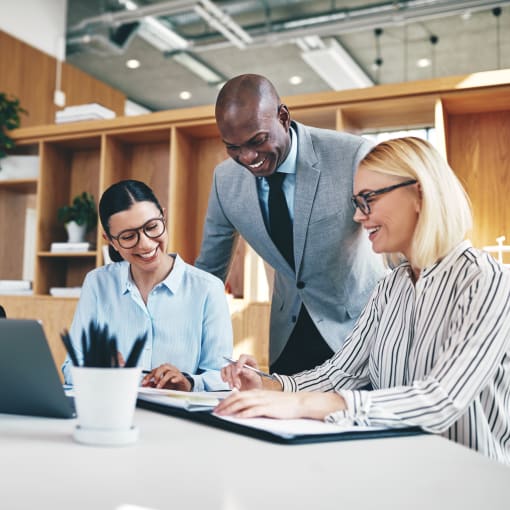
pixel 16 287
pixel 89 111
pixel 65 291
pixel 69 247
pixel 15 284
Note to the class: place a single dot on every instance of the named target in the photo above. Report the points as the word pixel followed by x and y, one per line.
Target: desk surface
pixel 180 464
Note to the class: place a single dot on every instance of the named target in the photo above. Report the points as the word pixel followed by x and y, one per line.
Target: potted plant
pixel 10 111
pixel 80 217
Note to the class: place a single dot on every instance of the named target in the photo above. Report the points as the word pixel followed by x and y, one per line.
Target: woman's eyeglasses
pixel 362 200
pixel 130 237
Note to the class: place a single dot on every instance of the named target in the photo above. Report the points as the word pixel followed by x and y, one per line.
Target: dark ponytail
pixel 120 197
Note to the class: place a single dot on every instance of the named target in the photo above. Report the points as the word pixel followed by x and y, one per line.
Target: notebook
pixel 28 376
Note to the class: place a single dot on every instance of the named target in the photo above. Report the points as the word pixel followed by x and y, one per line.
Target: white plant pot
pixel 75 233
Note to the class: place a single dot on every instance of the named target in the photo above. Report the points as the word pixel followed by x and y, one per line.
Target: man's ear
pixel 284 116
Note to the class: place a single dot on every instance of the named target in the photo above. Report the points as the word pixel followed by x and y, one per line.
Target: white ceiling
pixel 468 41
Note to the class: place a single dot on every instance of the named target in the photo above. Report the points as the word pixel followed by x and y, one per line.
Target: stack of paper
pixel 69 247
pixel 192 401
pixel 92 111
pixel 65 291
pixel 23 287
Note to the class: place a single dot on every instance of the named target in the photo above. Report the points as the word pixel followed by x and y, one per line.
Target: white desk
pixel 183 465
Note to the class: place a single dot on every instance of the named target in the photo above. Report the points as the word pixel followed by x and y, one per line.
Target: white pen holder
pixel 105 400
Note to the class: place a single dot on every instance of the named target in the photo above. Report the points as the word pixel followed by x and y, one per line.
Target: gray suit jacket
pixel 336 269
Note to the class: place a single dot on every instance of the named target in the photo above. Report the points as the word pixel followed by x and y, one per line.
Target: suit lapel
pixel 307 179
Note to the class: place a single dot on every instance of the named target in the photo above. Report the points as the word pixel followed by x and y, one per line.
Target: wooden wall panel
pixel 479 152
pixel 30 75
pixel 81 88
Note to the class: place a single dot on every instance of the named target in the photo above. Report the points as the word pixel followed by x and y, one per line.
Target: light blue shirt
pixel 186 319
pixel 289 183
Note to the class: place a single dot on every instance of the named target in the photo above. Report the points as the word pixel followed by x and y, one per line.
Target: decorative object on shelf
pixel 18 166
pixel 500 249
pixel 83 112
pixel 70 247
pixel 79 218
pixel 10 111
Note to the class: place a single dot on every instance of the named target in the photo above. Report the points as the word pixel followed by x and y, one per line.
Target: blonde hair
pixel 445 215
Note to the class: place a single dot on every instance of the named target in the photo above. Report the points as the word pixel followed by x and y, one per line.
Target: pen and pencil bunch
pixel 101 349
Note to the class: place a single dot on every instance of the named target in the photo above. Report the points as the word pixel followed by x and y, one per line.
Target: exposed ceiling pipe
pixel 355 20
pixel 326 24
pixel 118 18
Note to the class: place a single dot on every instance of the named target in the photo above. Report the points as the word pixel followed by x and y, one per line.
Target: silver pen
pixel 256 370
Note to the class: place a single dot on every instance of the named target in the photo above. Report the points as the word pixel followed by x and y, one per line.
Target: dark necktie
pixel 280 224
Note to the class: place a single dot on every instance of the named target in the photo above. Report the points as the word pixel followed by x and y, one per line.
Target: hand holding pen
pixel 244 374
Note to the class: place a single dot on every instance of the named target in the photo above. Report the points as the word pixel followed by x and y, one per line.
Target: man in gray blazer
pixel 320 289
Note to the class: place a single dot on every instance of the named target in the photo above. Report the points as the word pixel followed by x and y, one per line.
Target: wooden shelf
pixel 81 254
pixel 19 185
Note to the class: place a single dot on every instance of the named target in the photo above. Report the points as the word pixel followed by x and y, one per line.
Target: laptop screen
pixel 28 375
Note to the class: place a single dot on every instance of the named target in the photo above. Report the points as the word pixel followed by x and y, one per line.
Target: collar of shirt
pixel 172 282
pixel 444 263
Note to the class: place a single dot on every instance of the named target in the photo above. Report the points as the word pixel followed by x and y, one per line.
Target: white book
pixel 78 117
pixel 84 112
pixel 69 247
pixel 65 291
pixel 16 292
pixel 15 284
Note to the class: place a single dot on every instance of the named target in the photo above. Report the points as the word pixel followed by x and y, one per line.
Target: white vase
pixel 75 232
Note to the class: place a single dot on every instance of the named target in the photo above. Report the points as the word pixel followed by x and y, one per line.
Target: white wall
pixel 40 23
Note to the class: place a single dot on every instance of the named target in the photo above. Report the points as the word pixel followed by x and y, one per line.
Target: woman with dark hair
pixel 182 309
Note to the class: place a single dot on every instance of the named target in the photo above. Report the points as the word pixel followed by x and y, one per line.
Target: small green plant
pixel 10 111
pixel 83 211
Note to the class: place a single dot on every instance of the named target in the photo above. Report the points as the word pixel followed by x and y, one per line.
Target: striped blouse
pixel 436 352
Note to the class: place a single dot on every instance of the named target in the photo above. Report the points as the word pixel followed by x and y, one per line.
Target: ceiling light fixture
pixel 434 39
pixel 129 5
pixel 196 66
pixel 133 63
pixel 336 67
pixel 223 23
pixel 378 62
pixel 160 35
pixel 185 95
pixel 423 62
pixel 295 80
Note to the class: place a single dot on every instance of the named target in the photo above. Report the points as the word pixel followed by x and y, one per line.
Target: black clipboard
pixel 207 418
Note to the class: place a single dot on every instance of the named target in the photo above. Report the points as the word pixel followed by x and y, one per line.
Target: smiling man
pixel 286 190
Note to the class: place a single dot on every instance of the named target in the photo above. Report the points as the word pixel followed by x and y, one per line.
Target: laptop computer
pixel 29 379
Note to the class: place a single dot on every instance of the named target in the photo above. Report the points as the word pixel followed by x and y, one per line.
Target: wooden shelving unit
pixel 176 151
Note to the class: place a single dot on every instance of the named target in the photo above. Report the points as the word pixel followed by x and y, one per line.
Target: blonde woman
pixel 434 338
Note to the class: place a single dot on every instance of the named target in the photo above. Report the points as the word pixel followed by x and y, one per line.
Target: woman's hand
pixel 167 376
pixel 242 378
pixel 249 404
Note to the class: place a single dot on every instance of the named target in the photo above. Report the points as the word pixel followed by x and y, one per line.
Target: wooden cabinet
pixel 176 151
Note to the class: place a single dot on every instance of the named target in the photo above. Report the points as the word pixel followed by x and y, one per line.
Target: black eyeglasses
pixel 130 237
pixel 362 200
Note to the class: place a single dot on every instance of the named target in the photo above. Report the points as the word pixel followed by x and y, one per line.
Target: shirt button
pixel 300 285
